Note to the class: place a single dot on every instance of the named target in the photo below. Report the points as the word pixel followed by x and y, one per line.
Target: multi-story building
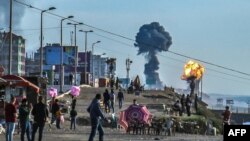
pixel 51 64
pixel 18 53
pixel 32 65
pixel 99 66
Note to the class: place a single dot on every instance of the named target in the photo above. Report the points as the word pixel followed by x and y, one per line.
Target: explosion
pixel 192 71
pixel 151 39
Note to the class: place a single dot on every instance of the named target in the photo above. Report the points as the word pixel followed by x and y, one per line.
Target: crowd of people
pixel 183 105
pixel 109 100
pixel 40 114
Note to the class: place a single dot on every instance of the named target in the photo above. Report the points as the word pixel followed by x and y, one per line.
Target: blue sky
pixel 216 31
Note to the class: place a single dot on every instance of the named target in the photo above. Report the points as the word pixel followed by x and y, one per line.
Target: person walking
pixel 96 115
pixel 10 118
pixel 54 111
pixel 120 97
pixel 106 100
pixel 73 114
pixel 40 113
pixel 112 100
pixel 24 112
pixel 226 116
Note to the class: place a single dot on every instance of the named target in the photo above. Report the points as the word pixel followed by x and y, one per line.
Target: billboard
pixel 53 55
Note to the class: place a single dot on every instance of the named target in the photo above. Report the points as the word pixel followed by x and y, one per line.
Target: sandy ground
pixel 82 132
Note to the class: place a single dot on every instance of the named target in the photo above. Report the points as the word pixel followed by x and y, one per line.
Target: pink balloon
pixel 52 92
pixel 75 91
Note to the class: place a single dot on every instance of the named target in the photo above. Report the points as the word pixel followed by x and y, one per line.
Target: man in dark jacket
pixel 40 113
pixel 120 97
pixel 106 100
pixel 24 112
pixel 96 116
pixel 55 108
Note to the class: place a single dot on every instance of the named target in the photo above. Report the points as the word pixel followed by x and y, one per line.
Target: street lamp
pixel 85 60
pixel 93 79
pixel 10 41
pixel 61 56
pixel 76 51
pixel 41 40
pixel 128 63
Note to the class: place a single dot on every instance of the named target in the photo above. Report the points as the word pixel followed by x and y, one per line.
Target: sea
pixel 238 103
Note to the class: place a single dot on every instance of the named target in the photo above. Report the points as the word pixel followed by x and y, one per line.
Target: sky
pixel 214 31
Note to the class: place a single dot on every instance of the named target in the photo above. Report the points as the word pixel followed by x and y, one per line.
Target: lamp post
pixel 128 63
pixel 10 40
pixel 93 79
pixel 61 56
pixel 41 40
pixel 76 49
pixel 85 60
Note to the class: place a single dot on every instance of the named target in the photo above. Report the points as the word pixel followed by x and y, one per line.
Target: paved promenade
pixel 115 135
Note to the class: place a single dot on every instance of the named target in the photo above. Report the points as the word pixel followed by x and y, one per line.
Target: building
pixel 51 64
pixel 99 66
pixel 32 65
pixel 18 53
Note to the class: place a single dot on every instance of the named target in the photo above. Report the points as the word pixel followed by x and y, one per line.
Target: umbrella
pixel 134 112
pixel 122 120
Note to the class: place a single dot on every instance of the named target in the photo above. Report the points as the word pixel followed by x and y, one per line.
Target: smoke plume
pixel 151 39
pixel 17 13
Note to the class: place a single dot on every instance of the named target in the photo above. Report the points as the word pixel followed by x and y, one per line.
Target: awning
pixel 20 81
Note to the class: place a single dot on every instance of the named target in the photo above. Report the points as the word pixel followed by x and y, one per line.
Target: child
pixel 58 118
pixel 73 115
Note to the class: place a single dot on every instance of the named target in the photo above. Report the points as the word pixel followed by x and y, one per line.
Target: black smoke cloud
pixel 17 13
pixel 151 39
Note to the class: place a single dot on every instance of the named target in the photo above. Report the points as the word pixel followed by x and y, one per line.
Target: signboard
pixel 69 53
pixel 53 55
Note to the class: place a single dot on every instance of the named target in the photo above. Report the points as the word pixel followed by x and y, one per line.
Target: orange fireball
pixel 192 69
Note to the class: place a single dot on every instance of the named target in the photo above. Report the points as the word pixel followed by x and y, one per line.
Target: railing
pixel 234 109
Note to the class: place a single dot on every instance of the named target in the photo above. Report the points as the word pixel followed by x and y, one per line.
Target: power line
pixel 124 37
pixel 177 60
pixel 210 63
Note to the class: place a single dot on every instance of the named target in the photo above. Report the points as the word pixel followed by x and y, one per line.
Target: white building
pixel 99 67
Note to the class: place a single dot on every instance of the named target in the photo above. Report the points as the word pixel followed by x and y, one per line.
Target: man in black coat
pixel 96 116
pixel 40 113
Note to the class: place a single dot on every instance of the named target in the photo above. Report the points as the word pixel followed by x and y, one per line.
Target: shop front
pixel 20 88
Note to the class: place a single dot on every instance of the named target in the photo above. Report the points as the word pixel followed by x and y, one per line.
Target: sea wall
pixel 236 118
